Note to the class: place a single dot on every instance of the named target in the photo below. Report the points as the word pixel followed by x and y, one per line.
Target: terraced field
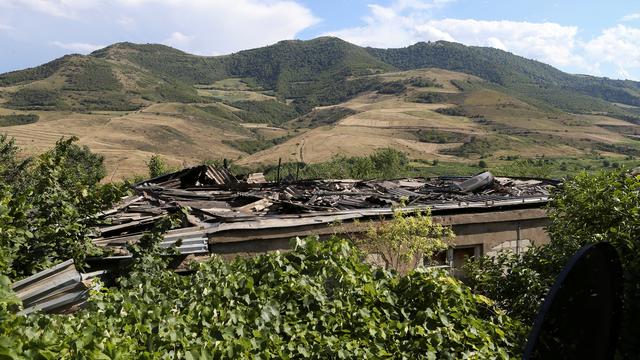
pixel 441 121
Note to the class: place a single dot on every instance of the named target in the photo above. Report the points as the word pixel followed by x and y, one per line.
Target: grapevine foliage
pixel 318 301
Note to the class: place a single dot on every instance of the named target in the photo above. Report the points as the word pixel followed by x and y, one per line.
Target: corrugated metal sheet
pixel 54 290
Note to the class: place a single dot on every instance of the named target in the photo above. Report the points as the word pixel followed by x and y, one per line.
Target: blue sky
pixel 592 37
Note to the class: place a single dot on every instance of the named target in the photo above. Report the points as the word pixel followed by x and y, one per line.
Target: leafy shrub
pixel 389 162
pixel 480 146
pixel 108 101
pixel 440 137
pixel 406 241
pixel 452 111
pixel 46 206
pixel 384 163
pixel 394 87
pixel 322 117
pixel 536 168
pixel 27 98
pixel 428 98
pixel 588 209
pixel 18 119
pixel 319 301
pixel 157 166
pixel 270 111
pixel 423 82
pixel 91 75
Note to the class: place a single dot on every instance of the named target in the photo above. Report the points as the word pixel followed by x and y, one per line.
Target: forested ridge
pixel 328 70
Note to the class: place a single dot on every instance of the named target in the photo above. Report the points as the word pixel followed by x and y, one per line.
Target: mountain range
pixel 436 100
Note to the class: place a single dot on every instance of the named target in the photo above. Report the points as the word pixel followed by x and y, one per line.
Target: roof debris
pixel 217 201
pixel 56 290
pixel 221 209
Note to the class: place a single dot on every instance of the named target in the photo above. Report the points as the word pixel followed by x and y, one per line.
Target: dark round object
pixel 580 317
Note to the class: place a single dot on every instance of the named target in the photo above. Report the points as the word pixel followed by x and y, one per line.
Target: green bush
pixel 18 119
pixel 319 301
pixel 47 205
pixel 423 82
pixel 588 209
pixel 452 111
pixel 157 166
pixel 27 98
pixel 406 241
pixel 440 137
pixel 429 98
pixel 394 87
pixel 269 111
pixel 91 75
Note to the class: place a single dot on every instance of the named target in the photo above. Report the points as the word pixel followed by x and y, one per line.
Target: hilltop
pixel 309 100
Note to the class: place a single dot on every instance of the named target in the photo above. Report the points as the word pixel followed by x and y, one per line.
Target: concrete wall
pixel 476 233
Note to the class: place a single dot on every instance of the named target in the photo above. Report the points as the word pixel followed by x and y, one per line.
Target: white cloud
pixel 548 42
pixel 178 39
pixel 402 24
pixel 213 26
pixel 5 27
pixel 82 48
pixel 620 46
pixel 126 22
pixel 58 8
pixel 631 17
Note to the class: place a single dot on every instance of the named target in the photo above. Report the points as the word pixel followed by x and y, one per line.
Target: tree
pixel 389 162
pixel 47 207
pixel 406 240
pixel 157 166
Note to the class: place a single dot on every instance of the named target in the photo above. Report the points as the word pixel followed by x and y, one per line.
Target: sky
pixel 599 38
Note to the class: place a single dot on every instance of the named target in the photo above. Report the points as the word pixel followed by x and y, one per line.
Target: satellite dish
pixel 580 317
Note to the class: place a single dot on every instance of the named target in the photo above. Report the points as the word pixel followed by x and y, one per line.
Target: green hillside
pixel 322 71
pixel 308 101
pixel 529 78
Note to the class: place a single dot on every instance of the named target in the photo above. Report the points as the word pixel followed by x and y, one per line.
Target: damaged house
pixel 234 217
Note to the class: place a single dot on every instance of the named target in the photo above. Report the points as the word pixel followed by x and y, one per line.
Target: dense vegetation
pixel 90 75
pixel 481 146
pixel 440 137
pixel 18 119
pixel 588 209
pixel 32 74
pixel 428 98
pixel 528 77
pixel 166 62
pixel 322 117
pixel 269 111
pixel 319 301
pixel 46 206
pixel 251 146
pixel 28 98
pixel 326 71
pixel 393 87
pixel 385 163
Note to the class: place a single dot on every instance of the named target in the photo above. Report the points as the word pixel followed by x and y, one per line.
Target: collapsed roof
pixel 216 202
pixel 221 209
